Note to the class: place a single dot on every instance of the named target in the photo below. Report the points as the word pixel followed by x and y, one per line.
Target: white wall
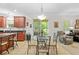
pixel 60 19
pixel 28 29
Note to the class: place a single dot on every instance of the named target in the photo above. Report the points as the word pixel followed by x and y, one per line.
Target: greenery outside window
pixel 40 27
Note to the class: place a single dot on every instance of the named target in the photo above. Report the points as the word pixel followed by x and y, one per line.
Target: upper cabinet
pixel 2 22
pixel 19 21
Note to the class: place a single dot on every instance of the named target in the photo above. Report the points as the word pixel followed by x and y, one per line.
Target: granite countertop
pixel 5 34
pixel 12 29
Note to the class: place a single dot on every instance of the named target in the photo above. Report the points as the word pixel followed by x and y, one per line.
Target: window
pixel 66 24
pixel 44 27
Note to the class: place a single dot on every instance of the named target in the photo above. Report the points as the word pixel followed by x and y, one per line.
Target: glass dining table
pixel 40 43
pixel 43 44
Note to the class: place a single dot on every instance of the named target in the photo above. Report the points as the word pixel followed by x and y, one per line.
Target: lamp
pixel 41 17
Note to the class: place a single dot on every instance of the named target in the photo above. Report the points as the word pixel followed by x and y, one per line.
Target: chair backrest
pixel 41 40
pixel 28 36
pixel 55 37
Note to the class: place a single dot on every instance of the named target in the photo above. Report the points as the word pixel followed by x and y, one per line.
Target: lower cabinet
pixel 21 36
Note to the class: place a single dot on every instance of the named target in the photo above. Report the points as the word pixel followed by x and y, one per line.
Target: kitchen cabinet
pixel 2 22
pixel 21 36
pixel 19 21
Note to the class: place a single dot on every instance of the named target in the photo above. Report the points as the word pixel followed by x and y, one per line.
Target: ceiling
pixel 34 9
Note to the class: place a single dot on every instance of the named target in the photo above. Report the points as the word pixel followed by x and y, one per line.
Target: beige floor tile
pixel 21 49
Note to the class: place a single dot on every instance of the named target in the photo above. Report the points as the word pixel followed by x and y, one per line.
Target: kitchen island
pixel 6 41
pixel 21 32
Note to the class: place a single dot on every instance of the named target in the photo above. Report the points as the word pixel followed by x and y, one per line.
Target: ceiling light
pixel 42 17
pixel 14 10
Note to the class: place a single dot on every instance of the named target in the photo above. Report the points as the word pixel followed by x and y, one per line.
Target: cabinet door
pixel 21 36
pixel 19 21
pixel 16 22
pixel 2 21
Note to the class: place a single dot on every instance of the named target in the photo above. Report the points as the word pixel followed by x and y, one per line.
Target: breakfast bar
pixel 6 41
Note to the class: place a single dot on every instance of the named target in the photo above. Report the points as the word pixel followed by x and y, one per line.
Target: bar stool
pixel 4 44
pixel 13 40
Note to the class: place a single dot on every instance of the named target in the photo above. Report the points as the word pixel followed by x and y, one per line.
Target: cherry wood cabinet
pixel 19 21
pixel 2 22
pixel 21 36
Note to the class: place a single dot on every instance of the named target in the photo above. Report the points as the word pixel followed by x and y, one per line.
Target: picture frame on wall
pixel 30 25
pixel 27 23
pixel 56 24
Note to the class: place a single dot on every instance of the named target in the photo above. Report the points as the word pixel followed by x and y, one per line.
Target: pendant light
pixel 42 16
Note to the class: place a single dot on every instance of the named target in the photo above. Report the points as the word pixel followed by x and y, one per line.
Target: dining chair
pixel 4 45
pixel 43 44
pixel 54 43
pixel 13 40
pixel 30 44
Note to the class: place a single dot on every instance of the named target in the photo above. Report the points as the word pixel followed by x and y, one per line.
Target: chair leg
pixel 47 53
pixel 56 50
pixel 1 51
pixel 16 43
pixel 27 50
pixel 7 49
pixel 13 46
pixel 37 52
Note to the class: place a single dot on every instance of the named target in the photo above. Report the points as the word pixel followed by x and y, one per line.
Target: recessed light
pixel 14 10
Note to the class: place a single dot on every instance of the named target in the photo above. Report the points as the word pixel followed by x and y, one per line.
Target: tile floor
pixel 21 49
